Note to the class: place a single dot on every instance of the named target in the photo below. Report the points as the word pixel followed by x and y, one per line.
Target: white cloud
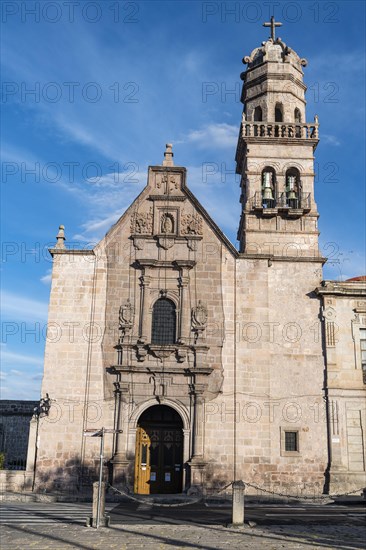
pixel 16 307
pixel 16 372
pixel 46 279
pixel 330 140
pixel 219 136
pixel 10 358
pixel 95 229
pixel 24 387
pixel 20 374
pixel 131 177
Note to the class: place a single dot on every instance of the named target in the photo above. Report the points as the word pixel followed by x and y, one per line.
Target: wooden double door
pixel 159 452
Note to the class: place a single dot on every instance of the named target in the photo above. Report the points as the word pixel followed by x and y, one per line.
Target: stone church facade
pixel 211 363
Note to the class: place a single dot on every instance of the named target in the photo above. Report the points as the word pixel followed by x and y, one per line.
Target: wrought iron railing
pixel 281 201
pixel 15 464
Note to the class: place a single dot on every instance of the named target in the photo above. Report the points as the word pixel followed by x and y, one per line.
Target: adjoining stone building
pixel 344 314
pixel 14 431
pixel 208 359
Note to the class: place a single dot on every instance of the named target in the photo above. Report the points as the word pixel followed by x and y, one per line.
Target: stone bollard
pixel 99 518
pixel 238 504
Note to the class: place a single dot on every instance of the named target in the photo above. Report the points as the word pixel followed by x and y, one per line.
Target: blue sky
pixel 112 83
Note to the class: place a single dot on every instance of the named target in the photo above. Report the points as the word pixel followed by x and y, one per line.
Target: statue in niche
pixel 167 224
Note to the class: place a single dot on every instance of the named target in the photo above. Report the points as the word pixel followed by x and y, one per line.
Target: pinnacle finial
pixel 61 237
pixel 168 155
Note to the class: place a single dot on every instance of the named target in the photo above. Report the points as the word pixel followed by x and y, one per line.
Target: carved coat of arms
pixel 199 316
pixel 126 313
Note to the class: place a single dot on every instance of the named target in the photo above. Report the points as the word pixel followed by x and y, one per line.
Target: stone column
pixel 198 424
pixel 197 463
pixel 119 461
pixel 144 309
pixel 184 325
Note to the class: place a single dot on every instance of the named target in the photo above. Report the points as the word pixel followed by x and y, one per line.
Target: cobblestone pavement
pixel 59 526
pixel 46 537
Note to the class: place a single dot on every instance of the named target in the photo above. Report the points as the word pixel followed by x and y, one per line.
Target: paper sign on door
pixel 153 476
pixel 167 476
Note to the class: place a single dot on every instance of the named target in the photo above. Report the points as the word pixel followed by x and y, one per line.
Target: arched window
pixel 293 188
pixel 163 322
pixel 258 116
pixel 268 187
pixel 297 116
pixel 278 112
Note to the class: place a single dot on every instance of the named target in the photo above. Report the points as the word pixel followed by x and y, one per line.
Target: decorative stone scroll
pixel 161 352
pixel 329 313
pixel 142 223
pixel 166 242
pixel 192 244
pixel 191 224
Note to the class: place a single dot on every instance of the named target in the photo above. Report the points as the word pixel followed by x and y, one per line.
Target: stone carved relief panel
pixel 167 182
pixel 191 224
pixel 142 223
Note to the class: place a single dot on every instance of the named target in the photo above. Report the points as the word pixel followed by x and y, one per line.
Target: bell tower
pixel 275 154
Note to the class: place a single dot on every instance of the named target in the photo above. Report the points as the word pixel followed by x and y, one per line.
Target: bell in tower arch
pixel 268 198
pixel 292 189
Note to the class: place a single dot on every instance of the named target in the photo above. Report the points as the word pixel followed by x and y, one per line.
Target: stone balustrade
pixel 280 130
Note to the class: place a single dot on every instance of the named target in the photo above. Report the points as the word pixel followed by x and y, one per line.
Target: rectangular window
pixel 292 442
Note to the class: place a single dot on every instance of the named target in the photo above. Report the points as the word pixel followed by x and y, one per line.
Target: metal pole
pixel 100 476
pixel 35 456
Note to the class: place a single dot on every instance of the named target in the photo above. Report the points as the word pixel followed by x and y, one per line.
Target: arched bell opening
pixel 293 188
pixel 297 116
pixel 159 451
pixel 258 114
pixel 278 112
pixel 268 187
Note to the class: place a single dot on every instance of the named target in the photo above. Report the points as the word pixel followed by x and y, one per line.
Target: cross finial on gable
pixel 273 24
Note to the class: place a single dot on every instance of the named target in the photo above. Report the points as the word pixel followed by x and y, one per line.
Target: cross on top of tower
pixel 273 24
